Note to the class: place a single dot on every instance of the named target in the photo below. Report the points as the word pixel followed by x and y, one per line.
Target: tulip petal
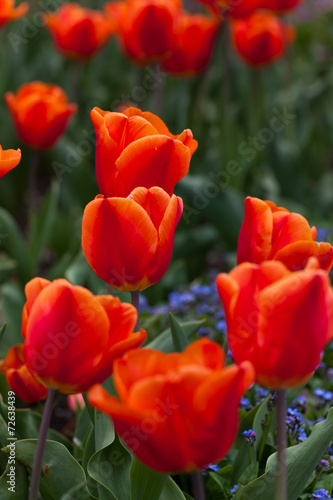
pixel 155 161
pixel 288 228
pixel 118 240
pixel 292 311
pixel 254 242
pixel 296 255
pixel 122 317
pixel 9 159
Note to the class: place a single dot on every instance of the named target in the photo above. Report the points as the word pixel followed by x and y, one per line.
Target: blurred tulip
pixel 193 43
pixel 76 402
pixel 18 377
pixel 269 232
pixel 136 149
pixel 40 113
pixel 9 159
pixel 9 13
pixel 261 38
pixel 128 242
pixel 278 319
pixel 145 27
pixel 79 32
pixel 179 411
pixel 280 5
pixel 72 337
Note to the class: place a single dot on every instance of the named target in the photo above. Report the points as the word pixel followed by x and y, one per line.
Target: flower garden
pixel 166 305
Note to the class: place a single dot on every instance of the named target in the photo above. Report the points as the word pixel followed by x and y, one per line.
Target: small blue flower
pixel 323 465
pixel 302 436
pixel 294 420
pixel 143 303
pixel 250 436
pixel 300 403
pixel 213 467
pixel 322 234
pixel 245 404
pixel 201 290
pixel 235 488
pixel 323 396
pixel 221 326
pixel 321 494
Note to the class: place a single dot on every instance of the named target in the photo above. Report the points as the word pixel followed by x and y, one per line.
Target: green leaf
pixel 14 243
pixel 20 486
pixel 164 341
pixel 2 331
pixel 109 467
pixel 146 483
pixel 41 225
pixel 301 461
pixel 61 471
pixel 179 338
pixel 171 491
pixel 78 492
pixel 250 473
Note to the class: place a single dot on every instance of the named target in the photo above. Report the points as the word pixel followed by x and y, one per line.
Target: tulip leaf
pixel 179 338
pixel 164 341
pixel 19 488
pixel 79 491
pixel 302 459
pixel 61 471
pixel 110 467
pixel 2 331
pixel 172 491
pixel 14 244
pixel 145 482
pixel 12 300
pixel 41 225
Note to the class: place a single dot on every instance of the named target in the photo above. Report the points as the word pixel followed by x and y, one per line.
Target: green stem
pixel 135 298
pixel 32 198
pixel 38 459
pixel 281 479
pixel 198 486
pixel 157 95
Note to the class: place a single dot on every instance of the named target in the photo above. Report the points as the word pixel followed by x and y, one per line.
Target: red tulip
pixel 192 44
pixel 136 149
pixel 177 412
pixel 145 27
pixel 79 32
pixel 128 242
pixel 40 113
pixel 280 5
pixel 261 38
pixel 18 377
pixel 9 159
pixel 9 13
pixel 271 232
pixel 72 337
pixel 278 319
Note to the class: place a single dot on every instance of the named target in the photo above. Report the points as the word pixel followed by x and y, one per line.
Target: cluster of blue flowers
pixel 196 302
pixel 321 494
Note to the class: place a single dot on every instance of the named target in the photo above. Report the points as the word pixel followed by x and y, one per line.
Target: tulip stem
pixel 135 298
pixel 38 459
pixel 198 486
pixel 32 195
pixel 281 479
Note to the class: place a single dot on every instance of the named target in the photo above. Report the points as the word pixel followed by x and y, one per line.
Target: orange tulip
pixel 177 412
pixel 271 232
pixel 136 149
pixel 9 159
pixel 18 377
pixel 79 32
pixel 145 27
pixel 280 5
pixel 72 337
pixel 192 44
pixel 278 319
pixel 128 242
pixel 40 113
pixel 9 13
pixel 261 38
